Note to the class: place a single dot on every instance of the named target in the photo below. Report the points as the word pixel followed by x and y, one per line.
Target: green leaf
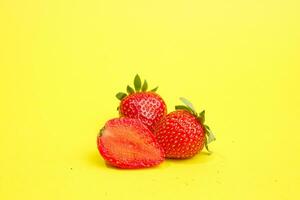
pixel 202 116
pixel 210 135
pixel 211 138
pixel 145 86
pixel 137 83
pixel 129 89
pixel 154 90
pixel 181 107
pixel 187 103
pixel 121 95
pixel 207 127
pixel 206 145
pixel 101 131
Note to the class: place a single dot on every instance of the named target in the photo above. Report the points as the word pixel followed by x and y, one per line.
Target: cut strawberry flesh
pixel 129 146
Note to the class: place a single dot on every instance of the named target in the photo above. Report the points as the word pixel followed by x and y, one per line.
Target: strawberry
pixel 141 104
pixel 128 143
pixel 182 133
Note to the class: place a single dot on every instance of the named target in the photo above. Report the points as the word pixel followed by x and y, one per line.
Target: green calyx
pixel 101 131
pixel 209 136
pixel 138 87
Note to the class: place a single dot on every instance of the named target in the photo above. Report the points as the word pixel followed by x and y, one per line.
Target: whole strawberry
pixel 128 143
pixel 141 104
pixel 182 133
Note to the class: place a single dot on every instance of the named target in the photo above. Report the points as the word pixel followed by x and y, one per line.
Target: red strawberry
pixel 182 133
pixel 149 107
pixel 128 143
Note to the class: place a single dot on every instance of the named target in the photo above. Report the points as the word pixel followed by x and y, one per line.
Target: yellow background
pixel 62 61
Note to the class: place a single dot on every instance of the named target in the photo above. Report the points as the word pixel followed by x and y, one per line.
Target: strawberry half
pixel 182 133
pixel 141 104
pixel 128 143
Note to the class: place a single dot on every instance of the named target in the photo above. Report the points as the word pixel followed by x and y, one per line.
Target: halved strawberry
pixel 128 143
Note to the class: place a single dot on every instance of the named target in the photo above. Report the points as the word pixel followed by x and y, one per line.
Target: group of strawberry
pixel 144 134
